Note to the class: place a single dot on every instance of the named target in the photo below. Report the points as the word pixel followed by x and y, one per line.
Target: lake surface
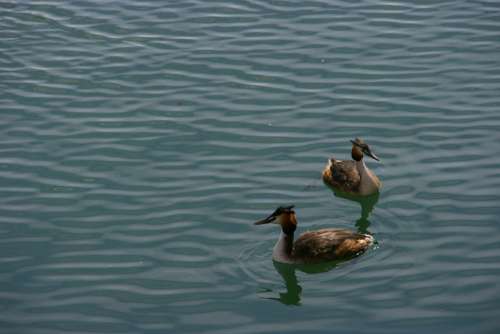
pixel 139 141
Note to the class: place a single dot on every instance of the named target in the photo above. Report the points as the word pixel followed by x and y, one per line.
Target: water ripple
pixel 140 141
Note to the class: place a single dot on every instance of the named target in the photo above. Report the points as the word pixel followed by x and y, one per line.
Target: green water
pixel 139 141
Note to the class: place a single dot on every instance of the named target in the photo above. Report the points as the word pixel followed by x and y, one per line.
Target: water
pixel 139 141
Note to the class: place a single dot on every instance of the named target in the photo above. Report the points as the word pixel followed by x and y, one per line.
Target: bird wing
pixel 345 175
pixel 330 244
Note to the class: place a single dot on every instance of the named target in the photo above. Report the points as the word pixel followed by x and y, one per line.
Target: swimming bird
pixel 315 246
pixel 353 176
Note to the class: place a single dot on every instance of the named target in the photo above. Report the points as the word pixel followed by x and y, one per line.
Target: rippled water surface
pixel 139 140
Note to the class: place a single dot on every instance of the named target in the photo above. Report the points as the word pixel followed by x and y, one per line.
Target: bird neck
pixel 369 182
pixel 361 167
pixel 282 251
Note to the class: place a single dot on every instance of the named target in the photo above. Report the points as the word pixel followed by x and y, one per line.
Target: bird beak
pixel 372 155
pixel 267 220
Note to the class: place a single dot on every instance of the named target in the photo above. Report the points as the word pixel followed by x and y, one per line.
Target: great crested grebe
pixel 316 246
pixel 353 176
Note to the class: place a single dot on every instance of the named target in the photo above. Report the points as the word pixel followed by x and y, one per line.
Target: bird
pixel 330 244
pixel 353 176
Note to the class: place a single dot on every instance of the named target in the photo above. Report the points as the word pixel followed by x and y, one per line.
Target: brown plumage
pixel 342 175
pixel 330 244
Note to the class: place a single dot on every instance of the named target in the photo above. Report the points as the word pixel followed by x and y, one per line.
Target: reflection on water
pixel 367 204
pixel 293 289
pixel 288 274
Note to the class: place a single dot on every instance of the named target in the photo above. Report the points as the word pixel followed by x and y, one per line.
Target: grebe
pixel 316 246
pixel 353 176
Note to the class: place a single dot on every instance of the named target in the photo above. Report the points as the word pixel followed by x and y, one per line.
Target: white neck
pixel 281 251
pixel 369 183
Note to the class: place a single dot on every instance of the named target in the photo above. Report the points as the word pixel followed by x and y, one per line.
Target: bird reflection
pixel 367 204
pixel 293 289
pixel 287 271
